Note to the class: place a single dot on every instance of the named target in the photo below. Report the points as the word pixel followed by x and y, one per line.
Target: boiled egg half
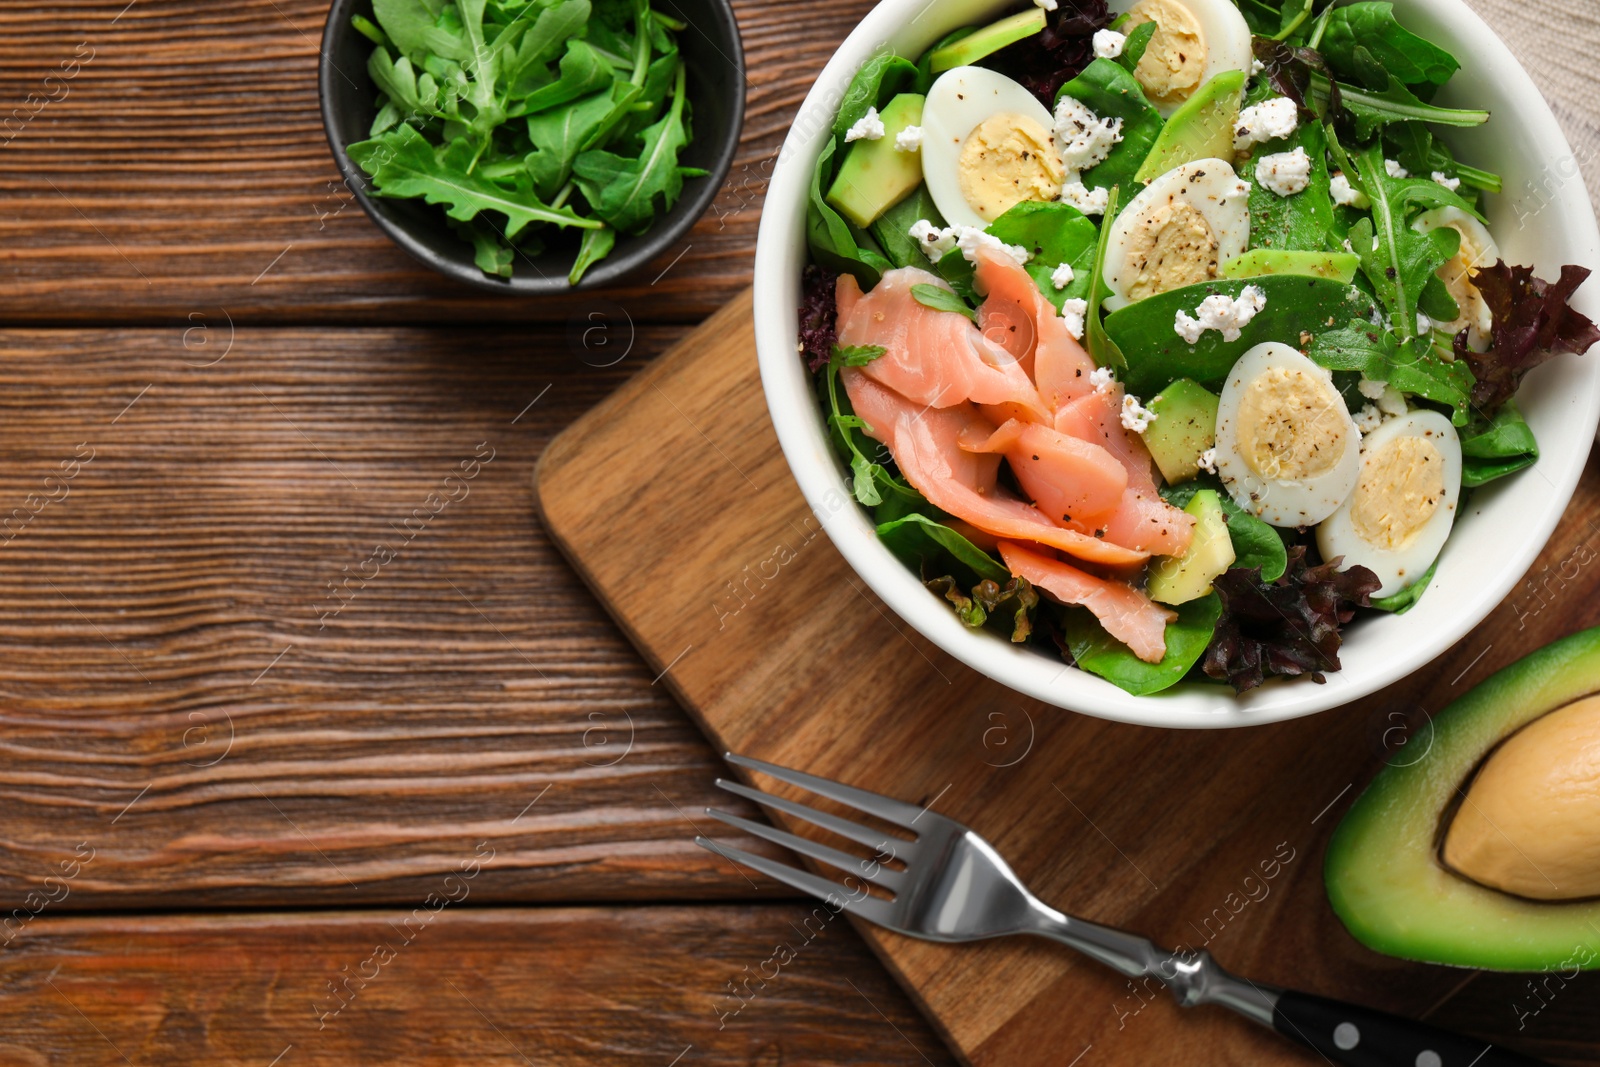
pixel 1178 231
pixel 1399 516
pixel 1195 40
pixel 987 145
pixel 1477 250
pixel 1287 449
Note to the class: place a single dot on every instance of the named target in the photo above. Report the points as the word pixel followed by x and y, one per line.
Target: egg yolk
pixel 1006 159
pixel 1174 64
pixel 1400 489
pixel 1173 246
pixel 1291 425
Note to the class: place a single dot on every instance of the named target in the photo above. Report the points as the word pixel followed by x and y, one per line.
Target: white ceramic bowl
pixel 1544 218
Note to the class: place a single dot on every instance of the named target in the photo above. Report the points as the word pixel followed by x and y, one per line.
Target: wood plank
pixel 181 689
pixel 462 984
pixel 183 169
pixel 781 653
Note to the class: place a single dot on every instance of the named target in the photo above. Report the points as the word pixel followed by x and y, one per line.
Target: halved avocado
pixel 1384 873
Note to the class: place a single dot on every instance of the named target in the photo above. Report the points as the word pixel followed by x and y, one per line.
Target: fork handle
pixel 1360 1037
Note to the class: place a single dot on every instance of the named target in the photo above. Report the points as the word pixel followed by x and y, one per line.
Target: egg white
pixel 1211 187
pixel 961 99
pixel 1478 249
pixel 1285 502
pixel 1399 567
pixel 1224 30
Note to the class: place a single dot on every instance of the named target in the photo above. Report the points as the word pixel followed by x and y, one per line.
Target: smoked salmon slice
pixel 1125 612
pixel 926 445
pixel 1015 312
pixel 1071 481
pixel 933 358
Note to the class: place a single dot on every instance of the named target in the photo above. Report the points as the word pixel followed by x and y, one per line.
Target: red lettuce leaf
pixel 1289 69
pixel 1288 627
pixel 1532 322
pixel 1049 59
pixel 819 312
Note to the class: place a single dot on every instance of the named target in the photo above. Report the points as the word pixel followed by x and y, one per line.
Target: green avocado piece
pixel 1185 426
pixel 1383 872
pixel 988 40
pixel 1180 579
pixel 1339 266
pixel 1201 129
pixel 875 175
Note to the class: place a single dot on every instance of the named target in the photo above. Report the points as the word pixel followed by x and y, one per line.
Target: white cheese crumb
pixel 1062 276
pixel 1392 402
pixel 1370 389
pixel 1048 5
pixel 1395 170
pixel 1083 138
pixel 934 241
pixel 1345 194
pixel 1368 419
pixel 1424 324
pixel 908 139
pixel 1256 67
pixel 1348 247
pixel 1285 173
pixel 1452 184
pixel 970 239
pixel 1108 43
pixel 1135 416
pixel 1222 313
pixel 1073 314
pixel 1208 459
pixel 1102 378
pixel 1089 201
pixel 1266 121
pixel 868 127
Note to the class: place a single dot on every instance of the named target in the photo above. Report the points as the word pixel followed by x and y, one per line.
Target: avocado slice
pixel 1384 873
pixel 875 175
pixel 1180 579
pixel 988 40
pixel 1185 426
pixel 1259 262
pixel 1201 129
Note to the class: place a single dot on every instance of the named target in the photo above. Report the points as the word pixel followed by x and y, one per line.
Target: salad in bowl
pixel 1171 338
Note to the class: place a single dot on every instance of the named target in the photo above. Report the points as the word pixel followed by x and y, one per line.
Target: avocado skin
pixel 1382 871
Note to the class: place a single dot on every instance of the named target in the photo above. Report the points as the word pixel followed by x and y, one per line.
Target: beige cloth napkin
pixel 1558 41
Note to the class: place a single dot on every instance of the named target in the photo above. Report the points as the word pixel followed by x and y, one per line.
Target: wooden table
pixel 439 811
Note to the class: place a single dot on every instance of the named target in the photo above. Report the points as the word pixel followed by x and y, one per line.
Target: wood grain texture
pixel 213 675
pixel 1198 839
pixel 182 168
pixel 645 986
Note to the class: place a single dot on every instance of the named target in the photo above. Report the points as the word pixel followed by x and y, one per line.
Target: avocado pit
pixel 1529 823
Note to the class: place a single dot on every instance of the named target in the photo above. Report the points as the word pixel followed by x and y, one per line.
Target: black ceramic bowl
pixel 714 59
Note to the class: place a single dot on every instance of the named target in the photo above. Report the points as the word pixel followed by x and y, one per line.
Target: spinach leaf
pixel 1418 369
pixel 1099 653
pixel 930 547
pixel 1301 221
pixel 1413 59
pixel 1054 233
pixel 1494 448
pixel 892 229
pixel 834 243
pixel 1103 348
pixel 1111 92
pixel 878 80
pixel 1255 544
pixel 941 299
pixel 1134 48
pixel 1156 355
pixel 1403 601
pixel 402 164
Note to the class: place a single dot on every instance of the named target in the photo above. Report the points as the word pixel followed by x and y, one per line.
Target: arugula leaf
pixel 402 164
pixel 1413 59
pixel 872 484
pixel 629 193
pixel 941 299
pixel 491 254
pixel 1400 261
pixel 407 23
pixel 1371 109
pixel 583 71
pixel 561 134
pixel 1099 653
pixel 597 244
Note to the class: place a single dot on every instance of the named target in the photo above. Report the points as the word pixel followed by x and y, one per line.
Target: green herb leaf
pixel 402 164
pixel 941 299
pixel 1133 49
pixel 1401 260
pixel 856 355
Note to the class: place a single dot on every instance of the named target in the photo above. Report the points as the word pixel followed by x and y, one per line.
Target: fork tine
pixel 861 835
pixel 852 865
pixel 887 808
pixel 869 908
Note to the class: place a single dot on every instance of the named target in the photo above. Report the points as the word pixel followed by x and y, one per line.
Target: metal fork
pixel 955 887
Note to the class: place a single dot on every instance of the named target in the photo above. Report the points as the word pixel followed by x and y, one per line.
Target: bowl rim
pixel 608 271
pixel 781 247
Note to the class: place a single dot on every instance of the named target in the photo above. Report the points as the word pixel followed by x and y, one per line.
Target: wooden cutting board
pixel 674 503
